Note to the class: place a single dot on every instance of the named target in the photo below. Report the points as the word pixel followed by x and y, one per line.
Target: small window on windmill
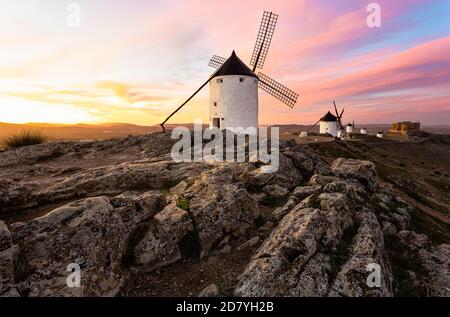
pixel 241 79
pixel 215 104
pixel 219 81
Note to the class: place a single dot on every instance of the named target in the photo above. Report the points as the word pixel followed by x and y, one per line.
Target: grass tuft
pixel 183 203
pixel 25 138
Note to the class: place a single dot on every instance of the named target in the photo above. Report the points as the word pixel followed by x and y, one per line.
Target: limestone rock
pixel 93 233
pixel 274 266
pixel 5 237
pixel 280 212
pixel 287 176
pixel 432 264
pixel 220 205
pixel 302 192
pixel 249 243
pixel 363 171
pixel 115 179
pixel 339 222
pixel 179 188
pixel 225 250
pixel 13 194
pixel 8 260
pixel 276 191
pixel 212 290
pixel 322 245
pixel 367 251
pixel 159 245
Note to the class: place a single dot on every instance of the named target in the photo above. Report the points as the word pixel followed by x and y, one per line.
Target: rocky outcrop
pixel 8 258
pixel 319 229
pixel 5 237
pixel 130 148
pixel 13 194
pixel 110 180
pixel 323 247
pixel 160 244
pixel 421 268
pixel 366 255
pixel 306 163
pixel 211 290
pixel 221 205
pixel 93 234
pixel 278 184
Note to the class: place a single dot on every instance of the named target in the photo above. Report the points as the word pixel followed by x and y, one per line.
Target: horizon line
pixel 189 123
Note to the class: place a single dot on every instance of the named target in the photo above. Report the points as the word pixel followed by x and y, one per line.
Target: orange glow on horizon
pixel 140 66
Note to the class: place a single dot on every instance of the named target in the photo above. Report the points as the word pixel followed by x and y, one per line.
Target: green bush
pixel 183 203
pixel 25 138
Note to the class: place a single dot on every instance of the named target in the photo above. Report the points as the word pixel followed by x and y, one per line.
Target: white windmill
pixel 330 124
pixel 349 128
pixel 234 86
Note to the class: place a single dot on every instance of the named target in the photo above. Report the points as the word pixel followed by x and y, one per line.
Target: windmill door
pixel 216 122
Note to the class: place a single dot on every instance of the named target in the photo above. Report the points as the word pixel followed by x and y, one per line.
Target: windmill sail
pixel 184 103
pixel 263 40
pixel 338 116
pixel 216 61
pixel 313 125
pixel 277 90
pixel 234 66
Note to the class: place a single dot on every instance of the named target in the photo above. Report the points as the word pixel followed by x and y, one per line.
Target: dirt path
pixel 429 211
pixel 190 276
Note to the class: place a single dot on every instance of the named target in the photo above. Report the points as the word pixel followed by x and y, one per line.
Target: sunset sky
pixel 135 61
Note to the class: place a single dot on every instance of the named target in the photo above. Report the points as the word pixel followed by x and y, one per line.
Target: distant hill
pixel 77 131
pixel 59 132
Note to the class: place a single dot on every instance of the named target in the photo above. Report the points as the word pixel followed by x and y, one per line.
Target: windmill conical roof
pixel 328 117
pixel 234 66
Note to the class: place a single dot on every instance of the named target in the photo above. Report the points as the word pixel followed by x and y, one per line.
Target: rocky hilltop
pixel 140 224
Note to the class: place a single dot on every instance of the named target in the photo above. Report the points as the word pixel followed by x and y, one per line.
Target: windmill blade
pixel 263 40
pixel 277 90
pixel 313 125
pixel 216 61
pixel 354 124
pixel 337 114
pixel 335 109
pixel 340 117
pixel 184 103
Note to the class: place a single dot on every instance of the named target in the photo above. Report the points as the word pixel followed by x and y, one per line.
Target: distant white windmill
pixel 330 124
pixel 234 86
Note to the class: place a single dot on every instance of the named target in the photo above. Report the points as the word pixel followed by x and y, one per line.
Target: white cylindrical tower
pixel 363 131
pixel 380 134
pixel 233 96
pixel 349 128
pixel 233 100
pixel 328 124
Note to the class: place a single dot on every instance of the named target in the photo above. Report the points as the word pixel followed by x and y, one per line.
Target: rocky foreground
pixel 122 209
